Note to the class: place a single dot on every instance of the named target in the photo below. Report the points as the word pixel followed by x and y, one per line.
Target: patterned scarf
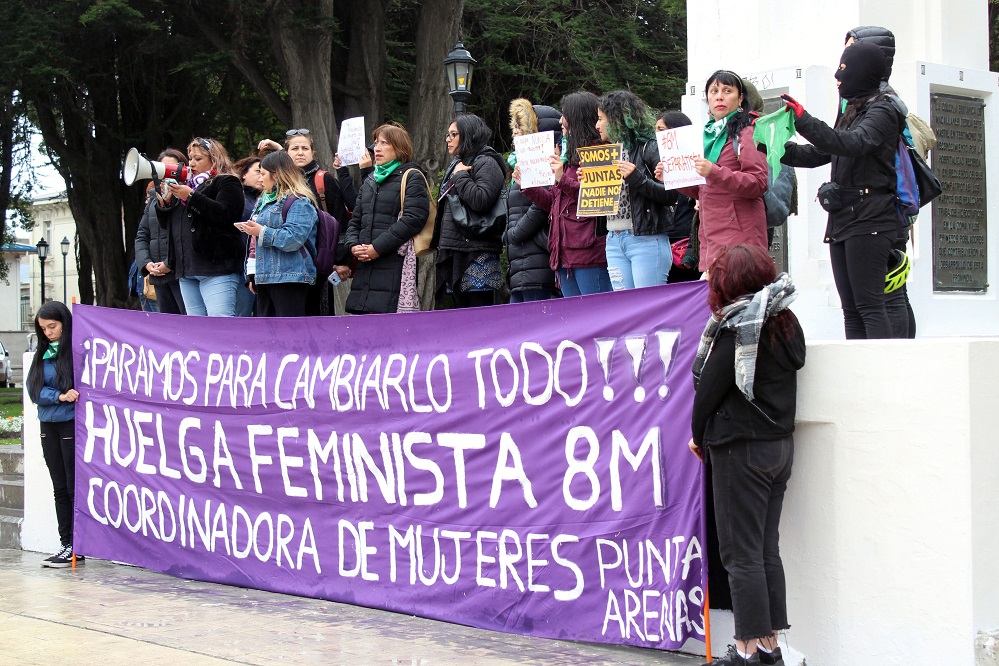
pixel 409 300
pixel 746 316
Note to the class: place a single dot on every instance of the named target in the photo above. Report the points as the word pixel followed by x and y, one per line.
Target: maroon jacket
pixel 572 240
pixel 731 202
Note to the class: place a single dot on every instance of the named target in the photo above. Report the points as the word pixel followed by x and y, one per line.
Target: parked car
pixel 6 379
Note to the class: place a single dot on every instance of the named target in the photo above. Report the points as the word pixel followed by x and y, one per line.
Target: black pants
pixel 749 479
pixel 474 299
pixel 59 450
pixel 859 266
pixel 283 299
pixel 169 298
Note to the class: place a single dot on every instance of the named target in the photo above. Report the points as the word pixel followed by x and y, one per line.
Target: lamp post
pixel 458 67
pixel 43 253
pixel 65 251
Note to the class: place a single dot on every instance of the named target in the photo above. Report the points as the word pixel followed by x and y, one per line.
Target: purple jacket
pixel 572 240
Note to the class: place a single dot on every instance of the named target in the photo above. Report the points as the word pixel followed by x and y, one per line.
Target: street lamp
pixel 65 250
pixel 458 67
pixel 43 253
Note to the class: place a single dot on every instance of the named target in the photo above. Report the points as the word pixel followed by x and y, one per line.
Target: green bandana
pixel 265 199
pixel 383 171
pixel 565 150
pixel 52 351
pixel 715 135
pixel 773 131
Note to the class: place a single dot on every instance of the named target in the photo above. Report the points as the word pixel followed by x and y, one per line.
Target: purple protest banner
pixel 521 468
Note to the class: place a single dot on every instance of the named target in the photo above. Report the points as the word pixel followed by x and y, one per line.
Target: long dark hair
pixel 853 107
pixel 580 112
pixel 473 136
pixel 629 119
pixel 744 270
pixel 55 311
pixel 743 118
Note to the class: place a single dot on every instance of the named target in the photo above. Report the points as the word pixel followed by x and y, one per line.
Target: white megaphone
pixel 138 167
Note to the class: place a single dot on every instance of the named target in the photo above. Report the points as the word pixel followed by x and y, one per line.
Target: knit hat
pixel 862 66
pixel 754 97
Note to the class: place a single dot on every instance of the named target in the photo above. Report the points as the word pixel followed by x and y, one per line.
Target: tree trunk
pixel 85 273
pixel 364 83
pixel 430 107
pixel 302 37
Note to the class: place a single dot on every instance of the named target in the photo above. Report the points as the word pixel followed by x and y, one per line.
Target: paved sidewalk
pixel 108 614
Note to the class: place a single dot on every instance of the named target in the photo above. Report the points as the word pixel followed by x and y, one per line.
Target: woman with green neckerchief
pixel 380 233
pixel 731 201
pixel 50 386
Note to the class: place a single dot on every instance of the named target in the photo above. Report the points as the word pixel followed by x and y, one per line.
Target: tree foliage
pixel 99 76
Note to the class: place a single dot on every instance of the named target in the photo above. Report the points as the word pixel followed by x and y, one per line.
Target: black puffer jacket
pixel 204 242
pixel 721 411
pixel 650 201
pixel 863 158
pixel 526 240
pixel 477 189
pixel 152 244
pixel 376 222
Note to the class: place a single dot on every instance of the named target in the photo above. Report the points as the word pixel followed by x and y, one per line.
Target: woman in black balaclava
pixel 863 221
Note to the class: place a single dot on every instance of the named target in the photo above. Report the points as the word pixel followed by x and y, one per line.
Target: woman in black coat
pixel 529 276
pixel 152 246
pixel 208 249
pixel 469 268
pixel 745 378
pixel 863 224
pixel 379 237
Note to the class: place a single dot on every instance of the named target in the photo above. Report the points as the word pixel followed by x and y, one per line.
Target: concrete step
pixel 10 528
pixel 11 460
pixel 12 492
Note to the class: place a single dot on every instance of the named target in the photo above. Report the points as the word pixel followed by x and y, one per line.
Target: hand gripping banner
pixel 521 468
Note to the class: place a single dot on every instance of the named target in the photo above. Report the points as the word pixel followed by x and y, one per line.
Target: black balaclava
pixel 862 66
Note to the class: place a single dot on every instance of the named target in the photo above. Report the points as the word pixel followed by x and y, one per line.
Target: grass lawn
pixel 11 413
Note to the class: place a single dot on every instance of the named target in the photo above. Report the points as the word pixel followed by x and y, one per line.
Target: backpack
pixel 327 238
pixel 915 183
pixel 421 241
pixel 779 198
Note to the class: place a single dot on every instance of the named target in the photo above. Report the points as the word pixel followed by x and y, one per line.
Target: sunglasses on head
pixel 204 143
pixel 297 132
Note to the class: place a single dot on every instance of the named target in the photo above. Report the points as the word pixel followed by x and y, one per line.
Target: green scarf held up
pixel 52 351
pixel 715 134
pixel 383 171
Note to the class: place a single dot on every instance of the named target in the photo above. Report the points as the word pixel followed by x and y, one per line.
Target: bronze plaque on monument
pixel 960 251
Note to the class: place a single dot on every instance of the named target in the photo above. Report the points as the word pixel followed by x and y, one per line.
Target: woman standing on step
pixel 50 386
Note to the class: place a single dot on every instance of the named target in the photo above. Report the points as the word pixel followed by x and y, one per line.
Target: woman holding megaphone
pixel 208 249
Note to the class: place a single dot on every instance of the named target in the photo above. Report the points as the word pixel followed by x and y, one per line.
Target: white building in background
pixel 941 71
pixel 15 306
pixel 54 222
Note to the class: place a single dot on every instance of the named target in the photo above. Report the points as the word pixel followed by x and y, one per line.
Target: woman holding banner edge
pixel 578 248
pixel 638 248
pixel 745 380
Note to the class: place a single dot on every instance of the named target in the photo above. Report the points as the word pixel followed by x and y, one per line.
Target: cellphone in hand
pixel 334 279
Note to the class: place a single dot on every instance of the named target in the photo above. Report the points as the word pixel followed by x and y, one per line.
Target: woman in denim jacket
pixel 280 266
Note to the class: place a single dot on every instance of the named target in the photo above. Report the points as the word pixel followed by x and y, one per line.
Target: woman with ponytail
pixel 50 386
pixel 731 201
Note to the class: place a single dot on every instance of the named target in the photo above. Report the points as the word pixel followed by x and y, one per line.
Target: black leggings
pixel 859 266
pixel 283 299
pixel 59 450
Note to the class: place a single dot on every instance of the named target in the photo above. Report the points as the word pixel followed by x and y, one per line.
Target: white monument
pixel 941 72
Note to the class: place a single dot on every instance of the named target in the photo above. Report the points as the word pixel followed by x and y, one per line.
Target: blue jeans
pixel 581 281
pixel 244 300
pixel 214 296
pixel 637 261
pixel 527 295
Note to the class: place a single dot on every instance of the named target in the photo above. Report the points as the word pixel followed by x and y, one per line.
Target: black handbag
pixel 929 185
pixel 474 225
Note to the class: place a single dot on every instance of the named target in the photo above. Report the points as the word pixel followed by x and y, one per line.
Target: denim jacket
pixel 285 247
pixel 50 410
